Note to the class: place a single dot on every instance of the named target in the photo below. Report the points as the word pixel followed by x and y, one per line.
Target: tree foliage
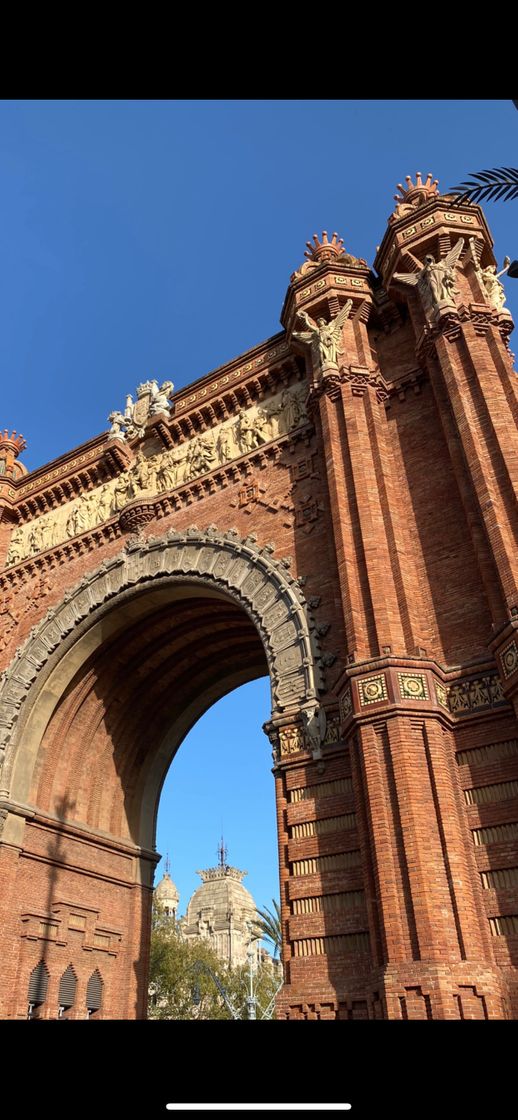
pixel 490 186
pixel 180 976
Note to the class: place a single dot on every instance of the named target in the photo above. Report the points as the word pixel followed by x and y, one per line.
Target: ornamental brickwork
pixel 336 509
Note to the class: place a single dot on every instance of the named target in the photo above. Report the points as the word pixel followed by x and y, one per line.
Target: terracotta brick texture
pixel 379 527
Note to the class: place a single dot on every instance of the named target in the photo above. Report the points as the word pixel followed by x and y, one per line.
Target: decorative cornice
pixel 416 686
pixel 360 378
pixel 210 874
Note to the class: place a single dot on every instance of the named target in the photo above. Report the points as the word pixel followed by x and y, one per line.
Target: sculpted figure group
pixel 161 472
pixel 435 281
pixel 152 399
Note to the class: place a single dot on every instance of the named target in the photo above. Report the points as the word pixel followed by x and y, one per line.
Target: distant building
pixel 221 911
pixel 166 894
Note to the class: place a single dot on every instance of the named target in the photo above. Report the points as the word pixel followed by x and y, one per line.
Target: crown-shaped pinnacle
pixel 325 249
pixel 13 442
pixel 412 190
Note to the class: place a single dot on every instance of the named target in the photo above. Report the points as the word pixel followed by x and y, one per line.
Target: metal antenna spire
pixel 222 853
pixel 167 864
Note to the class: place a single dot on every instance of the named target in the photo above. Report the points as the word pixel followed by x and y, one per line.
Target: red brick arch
pixel 204 564
pixel 106 687
pixel 385 464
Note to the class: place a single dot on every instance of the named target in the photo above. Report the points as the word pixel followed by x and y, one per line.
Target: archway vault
pixel 97 701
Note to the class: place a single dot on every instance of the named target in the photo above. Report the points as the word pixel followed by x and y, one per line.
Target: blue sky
pixel 156 239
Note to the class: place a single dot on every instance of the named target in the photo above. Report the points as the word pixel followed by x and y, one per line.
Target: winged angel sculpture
pixel 324 338
pixel 435 281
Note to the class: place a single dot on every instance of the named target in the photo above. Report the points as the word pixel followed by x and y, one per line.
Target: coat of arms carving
pixel 152 398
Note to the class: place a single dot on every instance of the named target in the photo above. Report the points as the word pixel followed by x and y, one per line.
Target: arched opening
pixel 220 784
pixel 125 712
pixel 95 708
pixel 217 832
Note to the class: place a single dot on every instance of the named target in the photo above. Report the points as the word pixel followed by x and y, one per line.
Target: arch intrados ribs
pixel 153 681
pixel 89 675
pixel 195 680
pixel 194 675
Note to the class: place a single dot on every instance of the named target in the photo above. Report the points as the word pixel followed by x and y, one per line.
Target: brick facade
pixel 356 541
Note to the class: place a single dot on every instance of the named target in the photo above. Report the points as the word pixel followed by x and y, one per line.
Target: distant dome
pixel 221 911
pixel 166 893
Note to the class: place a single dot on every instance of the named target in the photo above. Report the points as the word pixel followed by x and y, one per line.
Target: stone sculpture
pixel 157 473
pixel 435 281
pixel 489 278
pixel 323 338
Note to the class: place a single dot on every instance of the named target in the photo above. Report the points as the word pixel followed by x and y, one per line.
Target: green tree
pixel 175 973
pixel 182 987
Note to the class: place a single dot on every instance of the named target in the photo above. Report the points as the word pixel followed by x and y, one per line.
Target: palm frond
pixel 489 186
pixel 268 925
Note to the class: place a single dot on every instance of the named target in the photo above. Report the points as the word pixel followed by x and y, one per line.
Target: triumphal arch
pixel 336 509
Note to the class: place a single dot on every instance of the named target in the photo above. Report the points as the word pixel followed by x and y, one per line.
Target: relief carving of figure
pixel 153 464
pixel 35 539
pixel 435 281
pixel 293 408
pixel 104 504
pixel 225 448
pixel 167 473
pixel 120 492
pixel 180 463
pixel 275 419
pixel 57 529
pixel 324 338
pixel 140 475
pixel 90 509
pixel 261 426
pixel 202 454
pixel 47 533
pixel 251 431
pixel 16 547
pixel 77 521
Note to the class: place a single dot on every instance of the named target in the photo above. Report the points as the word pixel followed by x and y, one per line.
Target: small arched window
pixel 38 986
pixel 94 994
pixel 67 991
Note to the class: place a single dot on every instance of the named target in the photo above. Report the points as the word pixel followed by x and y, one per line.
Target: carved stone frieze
pixel 261 585
pixel 467 696
pixel 156 474
pixel 291 741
